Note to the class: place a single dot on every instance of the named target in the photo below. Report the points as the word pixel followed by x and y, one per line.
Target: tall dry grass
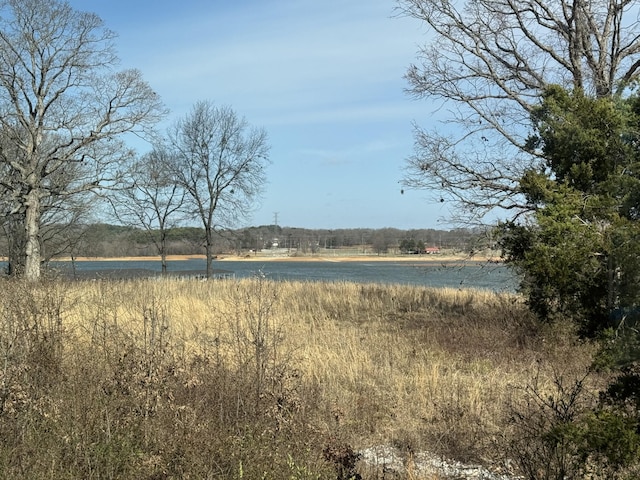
pixel 259 379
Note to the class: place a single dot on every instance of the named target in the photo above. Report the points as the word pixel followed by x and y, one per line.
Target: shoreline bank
pixel 426 259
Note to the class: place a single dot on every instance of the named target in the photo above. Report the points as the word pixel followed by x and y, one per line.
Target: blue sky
pixel 325 79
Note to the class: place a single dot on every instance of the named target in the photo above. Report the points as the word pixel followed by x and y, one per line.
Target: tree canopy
pixel 65 109
pixel 578 252
pixel 486 65
pixel 543 131
pixel 219 162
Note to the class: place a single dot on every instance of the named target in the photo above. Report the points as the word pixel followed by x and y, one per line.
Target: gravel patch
pixel 426 465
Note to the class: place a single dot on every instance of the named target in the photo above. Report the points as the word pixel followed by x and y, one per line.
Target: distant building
pixel 432 250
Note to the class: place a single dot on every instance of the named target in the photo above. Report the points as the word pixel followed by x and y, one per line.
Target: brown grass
pixel 230 379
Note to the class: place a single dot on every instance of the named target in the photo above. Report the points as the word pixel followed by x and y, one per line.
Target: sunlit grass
pixel 390 358
pixel 414 367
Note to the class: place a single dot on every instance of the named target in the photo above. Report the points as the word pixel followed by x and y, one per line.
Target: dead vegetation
pixel 260 379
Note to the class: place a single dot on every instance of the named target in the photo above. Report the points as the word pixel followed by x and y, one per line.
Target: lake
pixel 480 275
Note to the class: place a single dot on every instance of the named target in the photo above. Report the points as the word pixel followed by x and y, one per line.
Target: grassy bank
pixel 260 379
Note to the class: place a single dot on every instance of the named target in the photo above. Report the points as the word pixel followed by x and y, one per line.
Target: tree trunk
pixel 32 231
pixel 163 248
pixel 208 249
pixel 163 260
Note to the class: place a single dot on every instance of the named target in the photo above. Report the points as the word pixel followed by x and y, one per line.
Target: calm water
pixel 494 277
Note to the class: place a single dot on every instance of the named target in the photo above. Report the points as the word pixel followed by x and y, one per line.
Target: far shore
pixel 426 258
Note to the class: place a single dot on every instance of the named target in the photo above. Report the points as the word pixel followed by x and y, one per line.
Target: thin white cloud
pixel 360 149
pixel 336 114
pixel 323 77
pixel 293 59
pixel 349 154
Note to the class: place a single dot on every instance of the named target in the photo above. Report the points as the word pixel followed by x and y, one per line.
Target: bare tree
pixel 63 108
pixel 151 197
pixel 487 64
pixel 61 216
pixel 221 164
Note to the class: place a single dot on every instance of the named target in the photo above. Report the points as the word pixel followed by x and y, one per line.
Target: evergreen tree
pixel 577 250
pixel 579 254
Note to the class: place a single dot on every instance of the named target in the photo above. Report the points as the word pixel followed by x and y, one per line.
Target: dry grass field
pixel 159 379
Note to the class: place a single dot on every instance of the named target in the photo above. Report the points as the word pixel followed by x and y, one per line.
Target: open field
pixel 259 379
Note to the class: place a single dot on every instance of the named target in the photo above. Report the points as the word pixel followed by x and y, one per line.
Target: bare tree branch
pixel 221 163
pixel 489 60
pixel 63 109
pixel 151 197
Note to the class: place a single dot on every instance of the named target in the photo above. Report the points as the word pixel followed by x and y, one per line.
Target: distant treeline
pixel 106 240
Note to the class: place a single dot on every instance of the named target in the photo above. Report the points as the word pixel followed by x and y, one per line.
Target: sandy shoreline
pixel 310 258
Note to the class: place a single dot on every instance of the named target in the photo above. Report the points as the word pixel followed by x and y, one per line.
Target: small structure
pixel 432 250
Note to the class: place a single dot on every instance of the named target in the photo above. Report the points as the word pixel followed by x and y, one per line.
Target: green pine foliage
pixel 578 251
